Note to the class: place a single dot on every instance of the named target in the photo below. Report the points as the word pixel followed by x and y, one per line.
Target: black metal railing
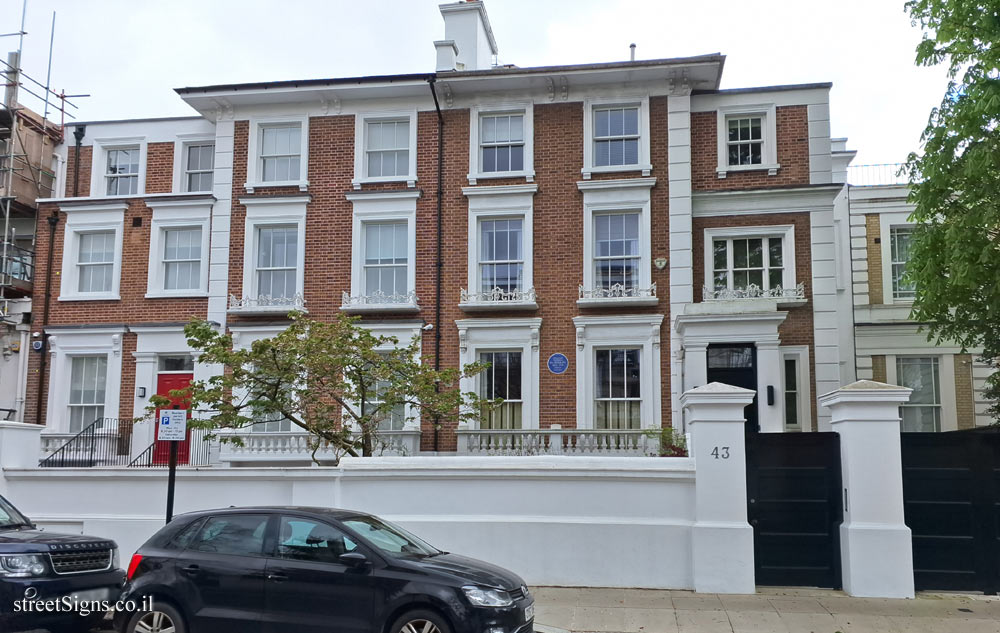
pixel 109 442
pixel 104 442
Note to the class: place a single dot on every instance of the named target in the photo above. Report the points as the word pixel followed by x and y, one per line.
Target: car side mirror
pixel 353 559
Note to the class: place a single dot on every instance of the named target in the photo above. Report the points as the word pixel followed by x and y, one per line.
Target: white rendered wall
pixel 541 517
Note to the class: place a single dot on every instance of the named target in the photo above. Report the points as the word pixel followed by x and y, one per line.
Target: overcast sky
pixel 130 54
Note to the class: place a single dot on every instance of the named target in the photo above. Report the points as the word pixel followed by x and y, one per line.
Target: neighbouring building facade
pixel 607 236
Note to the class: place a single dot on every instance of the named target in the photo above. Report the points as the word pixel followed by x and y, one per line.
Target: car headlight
pixel 22 565
pixel 487 596
pixel 115 560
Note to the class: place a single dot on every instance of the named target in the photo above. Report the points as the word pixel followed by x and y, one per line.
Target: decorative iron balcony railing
pixel 753 291
pixel 618 291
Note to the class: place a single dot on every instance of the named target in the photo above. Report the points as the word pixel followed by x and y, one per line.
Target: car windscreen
pixel 9 516
pixel 387 538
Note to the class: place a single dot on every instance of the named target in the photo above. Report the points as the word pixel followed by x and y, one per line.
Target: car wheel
pixel 163 618
pixel 420 622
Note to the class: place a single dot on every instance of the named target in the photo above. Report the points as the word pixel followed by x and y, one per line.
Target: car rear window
pixel 240 534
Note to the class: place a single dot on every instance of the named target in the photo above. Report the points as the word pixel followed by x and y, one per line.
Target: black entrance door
pixel 795 507
pixel 951 500
pixel 736 364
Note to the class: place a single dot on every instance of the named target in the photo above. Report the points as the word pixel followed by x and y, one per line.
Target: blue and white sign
pixel 173 425
pixel 558 363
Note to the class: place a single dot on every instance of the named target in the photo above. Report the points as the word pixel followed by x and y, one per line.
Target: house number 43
pixel 720 452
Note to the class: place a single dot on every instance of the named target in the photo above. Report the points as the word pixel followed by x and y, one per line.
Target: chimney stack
pixel 468 42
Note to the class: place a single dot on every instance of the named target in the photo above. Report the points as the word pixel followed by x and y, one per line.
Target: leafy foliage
pixel 337 381
pixel 955 181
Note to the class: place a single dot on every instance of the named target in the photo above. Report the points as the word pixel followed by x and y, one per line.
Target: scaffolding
pixel 28 165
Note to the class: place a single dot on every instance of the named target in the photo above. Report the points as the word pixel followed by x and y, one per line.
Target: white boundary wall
pixel 571 521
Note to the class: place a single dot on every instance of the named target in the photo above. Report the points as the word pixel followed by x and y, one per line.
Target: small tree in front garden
pixel 338 381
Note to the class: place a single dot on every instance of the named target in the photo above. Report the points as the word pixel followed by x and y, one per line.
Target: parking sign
pixel 173 425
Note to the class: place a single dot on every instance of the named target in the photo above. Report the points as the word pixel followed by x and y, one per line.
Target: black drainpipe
pixel 78 134
pixel 439 264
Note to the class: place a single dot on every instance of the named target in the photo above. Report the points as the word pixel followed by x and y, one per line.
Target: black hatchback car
pixel 278 570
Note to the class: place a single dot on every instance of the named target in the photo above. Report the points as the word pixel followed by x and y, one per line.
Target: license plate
pixel 92 595
pixel 529 613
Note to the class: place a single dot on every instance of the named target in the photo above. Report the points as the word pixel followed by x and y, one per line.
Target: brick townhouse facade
pixel 656 231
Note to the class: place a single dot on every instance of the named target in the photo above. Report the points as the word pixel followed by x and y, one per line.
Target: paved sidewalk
pixel 771 610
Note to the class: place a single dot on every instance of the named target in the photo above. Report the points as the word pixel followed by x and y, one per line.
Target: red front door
pixel 165 383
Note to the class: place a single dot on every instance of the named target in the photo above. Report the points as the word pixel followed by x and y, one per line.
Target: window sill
pixel 91 297
pixel 382 308
pixel 616 169
pixel 772 170
pixel 484 306
pixel 411 181
pixel 529 176
pixel 303 185
pixel 187 294
pixel 614 302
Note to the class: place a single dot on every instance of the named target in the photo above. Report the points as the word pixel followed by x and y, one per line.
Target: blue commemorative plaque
pixel 558 363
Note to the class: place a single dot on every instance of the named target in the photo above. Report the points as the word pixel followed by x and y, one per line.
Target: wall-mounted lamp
pixel 141 392
pixel 770 395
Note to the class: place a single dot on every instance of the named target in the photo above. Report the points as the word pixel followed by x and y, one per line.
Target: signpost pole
pixel 171 480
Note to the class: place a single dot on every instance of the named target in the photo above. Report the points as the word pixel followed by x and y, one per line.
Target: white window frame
pixel 888 221
pixel 769 132
pixel 264 212
pixel 476 112
pixel 946 380
pixel 502 202
pixel 66 344
pixel 177 214
pixel 181 145
pixel 254 177
pixel 489 335
pixel 361 121
pixel 375 207
pixel 784 231
pixel 640 331
pixel 800 354
pixel 404 331
pixel 617 196
pixel 87 219
pixel 99 164
pixel 589 105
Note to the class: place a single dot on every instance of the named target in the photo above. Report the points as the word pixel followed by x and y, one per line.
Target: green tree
pixel 325 378
pixel 955 181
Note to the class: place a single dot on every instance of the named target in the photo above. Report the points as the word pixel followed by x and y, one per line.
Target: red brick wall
pixel 159 167
pixel 797 329
pixel 793 153
pixel 86 158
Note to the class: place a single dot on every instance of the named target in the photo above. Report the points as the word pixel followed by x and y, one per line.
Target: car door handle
pixel 277 577
pixel 191 569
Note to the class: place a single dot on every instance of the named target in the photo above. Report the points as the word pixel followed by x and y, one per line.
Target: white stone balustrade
pixel 559 441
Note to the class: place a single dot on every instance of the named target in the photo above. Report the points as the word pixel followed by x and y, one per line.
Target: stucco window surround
pixel 403 332
pixel 65 345
pixel 265 213
pixel 382 208
pixel 803 413
pixel 255 176
pixel 507 335
pixel 513 202
pixel 99 164
pixel 767 112
pixel 91 219
pixel 946 382
pixel 590 105
pixel 476 114
pixel 602 197
pixel 636 331
pixel 785 232
pixel 361 145
pixel 181 146
pixel 171 215
pixel 888 222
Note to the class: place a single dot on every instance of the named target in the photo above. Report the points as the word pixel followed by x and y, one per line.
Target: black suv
pixel 45 577
pixel 276 570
